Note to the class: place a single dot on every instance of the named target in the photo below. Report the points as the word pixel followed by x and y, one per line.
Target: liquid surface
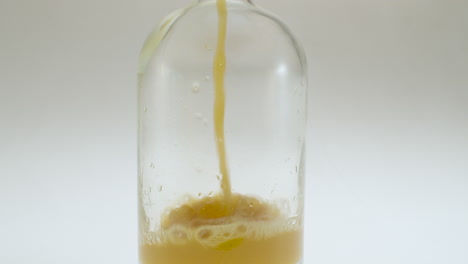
pixel 200 231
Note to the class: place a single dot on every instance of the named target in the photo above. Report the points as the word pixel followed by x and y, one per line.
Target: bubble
pixel 195 87
pixel 178 236
pixel 207 77
pixel 204 234
pixel 241 229
pixel 198 115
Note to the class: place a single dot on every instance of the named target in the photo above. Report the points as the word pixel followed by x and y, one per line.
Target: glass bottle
pixel 222 120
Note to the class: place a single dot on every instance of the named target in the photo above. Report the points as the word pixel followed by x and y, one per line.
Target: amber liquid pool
pixel 202 231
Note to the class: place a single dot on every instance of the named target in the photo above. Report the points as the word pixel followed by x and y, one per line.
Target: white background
pixel 387 177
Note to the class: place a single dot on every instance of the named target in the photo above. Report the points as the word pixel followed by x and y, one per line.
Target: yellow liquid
pixel 226 228
pixel 281 249
pixel 200 232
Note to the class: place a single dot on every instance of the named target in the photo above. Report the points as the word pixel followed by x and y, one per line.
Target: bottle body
pixel 264 135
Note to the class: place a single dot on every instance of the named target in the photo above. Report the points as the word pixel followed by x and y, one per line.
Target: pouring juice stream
pixel 219 69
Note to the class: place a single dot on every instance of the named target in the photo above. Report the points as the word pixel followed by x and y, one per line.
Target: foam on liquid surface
pixel 203 231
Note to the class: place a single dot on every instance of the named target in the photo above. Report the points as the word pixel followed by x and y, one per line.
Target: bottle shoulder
pixel 154 39
pixel 252 34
